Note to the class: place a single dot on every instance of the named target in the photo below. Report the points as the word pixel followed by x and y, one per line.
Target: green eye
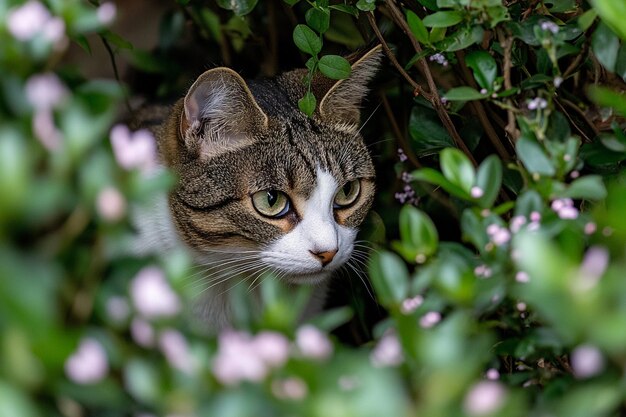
pixel 347 194
pixel 271 203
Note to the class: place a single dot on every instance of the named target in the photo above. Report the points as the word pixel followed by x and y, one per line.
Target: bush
pixel 498 231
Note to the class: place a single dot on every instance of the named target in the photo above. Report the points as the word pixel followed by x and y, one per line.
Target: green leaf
pixel 612 13
pixel 589 187
pixel 306 40
pixel 239 7
pixel 605 46
pixel 489 179
pixel 307 104
pixel 318 19
pixel 389 277
pixel 417 27
pixel 428 136
pixel 418 232
pixel 586 19
pixel 437 34
pixel 463 94
pixel 457 168
pixel 605 97
pixel 484 68
pixel 344 31
pixel 429 4
pixel 335 67
pixel 291 2
pixel 346 9
pixel 561 6
pixel 331 319
pixel 15 402
pixel 366 5
pixel 528 202
pixel 116 40
pixel 533 157
pixel 461 39
pixel 435 177
pixel 443 19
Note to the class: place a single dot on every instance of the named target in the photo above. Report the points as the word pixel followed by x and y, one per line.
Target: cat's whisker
pixel 368 119
pixel 224 266
pixel 259 273
pixel 209 281
pixel 253 287
pixel 358 274
pixel 233 271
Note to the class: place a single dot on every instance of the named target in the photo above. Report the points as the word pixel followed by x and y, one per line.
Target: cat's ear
pixel 342 103
pixel 220 113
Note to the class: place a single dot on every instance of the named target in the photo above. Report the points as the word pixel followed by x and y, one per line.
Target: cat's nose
pixel 325 257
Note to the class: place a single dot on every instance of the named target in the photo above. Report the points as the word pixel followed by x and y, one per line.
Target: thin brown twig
pixel 577 61
pixel 479 111
pixel 404 143
pixel 116 73
pixel 506 42
pixel 435 100
pixel 416 87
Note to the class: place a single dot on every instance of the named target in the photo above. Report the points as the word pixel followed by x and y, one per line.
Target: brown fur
pixel 260 140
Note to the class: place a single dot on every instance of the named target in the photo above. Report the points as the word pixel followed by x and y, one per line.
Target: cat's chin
pixel 313 278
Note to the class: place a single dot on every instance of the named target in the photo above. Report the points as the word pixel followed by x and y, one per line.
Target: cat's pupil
pixel 347 188
pixel 272 197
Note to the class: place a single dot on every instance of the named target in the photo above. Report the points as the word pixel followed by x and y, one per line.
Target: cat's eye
pixel 347 194
pixel 271 203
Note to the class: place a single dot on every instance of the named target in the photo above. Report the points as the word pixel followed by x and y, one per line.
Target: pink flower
pixel 492 374
pixel 290 388
pixel 236 360
pixel 45 91
pixel 88 364
pixel 477 192
pixel 429 319
pixel 593 266
pixel 45 130
pixel 568 213
pixel 535 217
pixel 516 223
pixel 26 21
pixel 111 204
pixel 590 228
pixel 142 332
pixel 492 229
pixel 486 397
pixel 501 237
pixel 586 361
pixel 106 13
pixel 388 351
pixel 522 277
pixel 271 347
pixel 482 271
pixel 152 295
pixel 313 343
pixel 32 19
pixel 134 150
pixel 409 305
pixel 176 351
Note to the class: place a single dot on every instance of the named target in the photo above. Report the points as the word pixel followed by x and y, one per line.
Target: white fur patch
pixel 317 231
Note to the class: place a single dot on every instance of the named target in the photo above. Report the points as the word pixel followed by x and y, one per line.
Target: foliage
pixel 499 262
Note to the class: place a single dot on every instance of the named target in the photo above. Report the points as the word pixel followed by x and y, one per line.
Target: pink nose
pixel 325 257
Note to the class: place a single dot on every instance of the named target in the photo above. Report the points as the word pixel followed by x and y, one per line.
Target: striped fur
pixel 228 139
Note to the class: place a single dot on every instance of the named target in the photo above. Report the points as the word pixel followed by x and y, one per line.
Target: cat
pixel 261 186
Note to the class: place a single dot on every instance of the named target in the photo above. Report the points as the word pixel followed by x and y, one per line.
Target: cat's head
pixel 259 179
